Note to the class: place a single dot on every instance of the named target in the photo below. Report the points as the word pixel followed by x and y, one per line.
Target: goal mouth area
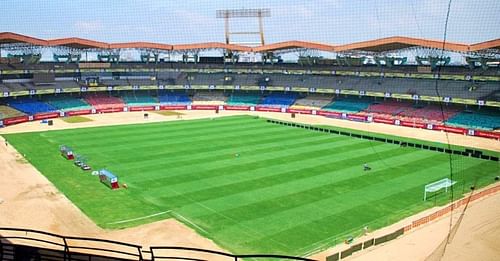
pixel 438 185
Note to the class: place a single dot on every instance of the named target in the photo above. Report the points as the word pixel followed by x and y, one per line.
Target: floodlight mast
pixel 243 13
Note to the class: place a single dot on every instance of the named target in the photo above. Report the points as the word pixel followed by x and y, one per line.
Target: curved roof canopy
pixel 378 45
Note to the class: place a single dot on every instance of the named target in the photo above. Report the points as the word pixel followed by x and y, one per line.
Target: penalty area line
pixel 139 218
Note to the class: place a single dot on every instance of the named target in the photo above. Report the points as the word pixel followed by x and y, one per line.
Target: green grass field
pixel 289 191
pixel 76 119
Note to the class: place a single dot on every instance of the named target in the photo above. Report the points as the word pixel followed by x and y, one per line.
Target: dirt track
pixel 31 201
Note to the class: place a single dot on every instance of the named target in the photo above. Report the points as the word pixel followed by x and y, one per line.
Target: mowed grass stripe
pixel 342 216
pixel 248 180
pixel 249 200
pixel 252 162
pixel 280 186
pixel 316 210
pixel 150 128
pixel 187 149
pixel 181 165
pixel 195 153
pixel 125 140
pixel 154 152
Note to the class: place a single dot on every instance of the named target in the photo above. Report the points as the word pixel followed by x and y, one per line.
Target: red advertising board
pixel 236 108
pixel 107 110
pixel 15 120
pixel 299 111
pixel 173 107
pixel 80 112
pixel 412 124
pixel 355 117
pixel 487 134
pixel 450 129
pixel 204 107
pixel 48 115
pixel 142 108
pixel 268 109
pixel 330 113
pixel 383 120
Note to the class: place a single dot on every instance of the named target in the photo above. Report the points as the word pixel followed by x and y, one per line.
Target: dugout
pixel 108 178
pixel 66 152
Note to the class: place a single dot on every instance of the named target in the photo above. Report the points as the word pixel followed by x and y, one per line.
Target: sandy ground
pixel 29 200
pixel 477 236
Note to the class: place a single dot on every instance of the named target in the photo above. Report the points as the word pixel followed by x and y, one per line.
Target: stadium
pixel 385 148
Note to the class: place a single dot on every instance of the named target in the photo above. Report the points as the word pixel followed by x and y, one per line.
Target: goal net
pixel 435 186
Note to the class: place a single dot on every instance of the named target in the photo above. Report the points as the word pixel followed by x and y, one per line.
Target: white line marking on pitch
pixel 139 218
pixel 187 220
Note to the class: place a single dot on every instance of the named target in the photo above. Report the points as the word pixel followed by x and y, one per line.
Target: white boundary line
pixel 139 218
pixel 188 221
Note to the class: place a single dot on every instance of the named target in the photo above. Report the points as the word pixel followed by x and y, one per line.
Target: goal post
pixel 440 184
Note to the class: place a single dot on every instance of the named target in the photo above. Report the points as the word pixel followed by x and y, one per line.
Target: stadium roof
pixel 378 45
pixel 398 42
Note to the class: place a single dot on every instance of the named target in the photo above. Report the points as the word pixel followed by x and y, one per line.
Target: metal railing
pixel 51 245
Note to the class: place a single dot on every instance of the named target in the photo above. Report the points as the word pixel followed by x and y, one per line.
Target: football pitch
pixel 249 185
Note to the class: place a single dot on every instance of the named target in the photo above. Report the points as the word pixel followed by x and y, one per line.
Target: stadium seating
pixel 312 101
pixel 351 105
pixel 240 98
pixel 279 99
pixel 103 101
pixel 8 112
pixel 410 111
pixel 480 119
pixel 139 99
pixel 30 106
pixel 67 103
pixel 208 98
pixel 430 113
pixel 167 97
pixel 391 108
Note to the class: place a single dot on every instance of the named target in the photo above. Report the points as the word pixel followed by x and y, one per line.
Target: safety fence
pixel 476 153
pixel 414 224
pixel 364 245
pixel 29 244
pixel 462 202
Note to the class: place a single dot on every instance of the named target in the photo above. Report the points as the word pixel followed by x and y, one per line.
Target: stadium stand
pixel 208 98
pixel 103 101
pixel 430 113
pixel 479 119
pixel 30 106
pixel 312 101
pixel 486 90
pixel 67 103
pixel 351 105
pixel 138 98
pixel 8 112
pixel 407 110
pixel 241 98
pixel 173 97
pixel 279 99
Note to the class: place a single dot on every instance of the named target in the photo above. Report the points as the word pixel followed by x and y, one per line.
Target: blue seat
pixel 30 106
pixel 173 98
pixel 279 99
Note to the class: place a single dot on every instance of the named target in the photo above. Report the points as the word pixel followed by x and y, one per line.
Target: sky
pixel 189 21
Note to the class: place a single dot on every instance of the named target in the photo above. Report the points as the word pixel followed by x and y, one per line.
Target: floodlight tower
pixel 243 13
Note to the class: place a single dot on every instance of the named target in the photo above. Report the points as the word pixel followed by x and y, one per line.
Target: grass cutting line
pixel 139 218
